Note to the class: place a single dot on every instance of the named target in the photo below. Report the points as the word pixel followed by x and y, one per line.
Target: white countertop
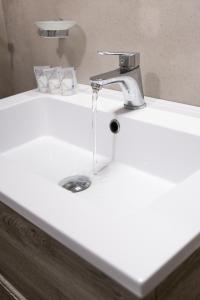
pixel 136 251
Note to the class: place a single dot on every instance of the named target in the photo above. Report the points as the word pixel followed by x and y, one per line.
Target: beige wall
pixel 166 32
pixel 5 68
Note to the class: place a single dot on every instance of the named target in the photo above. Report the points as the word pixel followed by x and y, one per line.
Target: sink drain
pixel 115 126
pixel 76 183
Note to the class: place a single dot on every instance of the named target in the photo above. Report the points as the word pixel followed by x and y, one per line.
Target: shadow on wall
pixel 152 85
pixel 5 70
pixel 73 47
pixel 7 47
pixel 11 50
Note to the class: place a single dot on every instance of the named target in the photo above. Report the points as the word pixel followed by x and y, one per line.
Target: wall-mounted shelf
pixel 55 29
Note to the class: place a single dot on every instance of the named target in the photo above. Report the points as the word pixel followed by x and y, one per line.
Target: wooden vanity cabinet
pixel 5 295
pixel 41 268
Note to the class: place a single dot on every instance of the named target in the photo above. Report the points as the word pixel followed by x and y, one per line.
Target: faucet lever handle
pixel 127 60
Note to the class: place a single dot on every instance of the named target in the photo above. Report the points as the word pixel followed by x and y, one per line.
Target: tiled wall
pixel 166 32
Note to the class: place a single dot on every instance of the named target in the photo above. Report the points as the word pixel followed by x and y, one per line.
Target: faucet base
pixel 132 107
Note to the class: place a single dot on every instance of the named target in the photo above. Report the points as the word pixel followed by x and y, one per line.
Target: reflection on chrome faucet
pixel 128 76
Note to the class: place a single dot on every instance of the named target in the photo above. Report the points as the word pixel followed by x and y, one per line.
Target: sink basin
pixel 45 138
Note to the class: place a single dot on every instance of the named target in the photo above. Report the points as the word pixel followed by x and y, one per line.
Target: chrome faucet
pixel 128 76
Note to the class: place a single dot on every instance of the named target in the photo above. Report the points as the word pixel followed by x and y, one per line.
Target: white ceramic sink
pixel 147 182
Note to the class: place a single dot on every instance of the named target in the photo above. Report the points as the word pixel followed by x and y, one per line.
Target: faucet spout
pixel 129 79
pixel 96 86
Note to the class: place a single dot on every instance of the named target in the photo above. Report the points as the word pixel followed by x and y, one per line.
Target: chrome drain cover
pixel 75 184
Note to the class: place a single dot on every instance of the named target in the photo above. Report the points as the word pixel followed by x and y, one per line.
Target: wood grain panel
pixel 183 283
pixel 35 262
pixel 4 295
pixel 43 269
pixel 8 291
